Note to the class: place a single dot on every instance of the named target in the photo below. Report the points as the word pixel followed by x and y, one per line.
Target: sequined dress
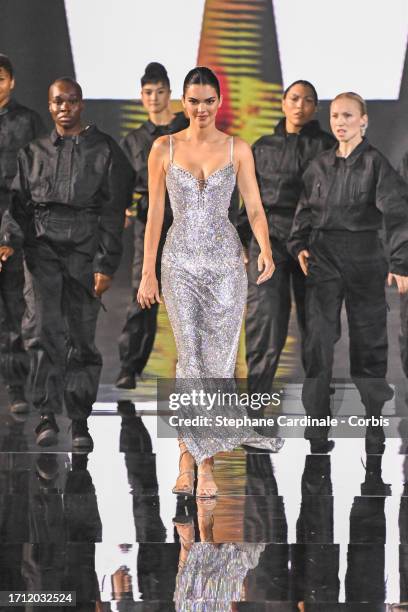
pixel 213 576
pixel 204 285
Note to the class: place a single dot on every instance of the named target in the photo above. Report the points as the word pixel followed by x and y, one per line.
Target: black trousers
pixel 268 313
pixel 66 364
pixel 347 267
pixel 13 357
pixel 138 334
pixel 404 332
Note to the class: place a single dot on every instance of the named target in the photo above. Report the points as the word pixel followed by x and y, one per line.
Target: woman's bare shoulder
pixel 242 150
pixel 241 147
pixel 161 144
pixel 181 135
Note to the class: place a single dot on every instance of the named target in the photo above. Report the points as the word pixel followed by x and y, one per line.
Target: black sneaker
pixel 126 380
pixel 47 466
pixel 47 431
pixel 321 447
pixel 18 403
pixel 81 438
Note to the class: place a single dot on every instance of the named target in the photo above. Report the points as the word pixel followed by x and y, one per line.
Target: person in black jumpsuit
pixel 67 210
pixel 403 170
pixel 18 126
pixel 348 192
pixel 280 160
pixel 137 338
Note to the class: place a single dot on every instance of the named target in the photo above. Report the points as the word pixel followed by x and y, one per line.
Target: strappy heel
pixel 185 542
pixel 186 490
pixel 208 492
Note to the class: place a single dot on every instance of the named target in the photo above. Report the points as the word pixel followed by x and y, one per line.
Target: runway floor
pixel 286 527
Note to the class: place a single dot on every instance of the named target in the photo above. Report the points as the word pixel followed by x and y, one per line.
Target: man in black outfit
pixel 139 331
pixel 18 126
pixel 280 160
pixel 67 210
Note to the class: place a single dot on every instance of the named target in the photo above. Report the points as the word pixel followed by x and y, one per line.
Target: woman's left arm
pixel 392 201
pixel 249 190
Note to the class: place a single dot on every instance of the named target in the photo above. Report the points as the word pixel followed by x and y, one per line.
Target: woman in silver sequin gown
pixel 203 273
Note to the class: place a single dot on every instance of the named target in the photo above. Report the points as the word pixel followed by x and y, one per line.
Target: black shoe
pixel 47 466
pixel 375 487
pixel 126 409
pixel 125 380
pixel 47 431
pixel 18 403
pixel 81 438
pixel 321 447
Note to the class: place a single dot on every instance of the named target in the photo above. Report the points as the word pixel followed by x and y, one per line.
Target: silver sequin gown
pixel 213 576
pixel 204 285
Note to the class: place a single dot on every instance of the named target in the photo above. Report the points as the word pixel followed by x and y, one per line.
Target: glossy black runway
pixel 287 528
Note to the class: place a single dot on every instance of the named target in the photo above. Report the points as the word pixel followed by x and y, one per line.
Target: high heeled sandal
pixel 188 491
pixel 206 494
pixel 185 543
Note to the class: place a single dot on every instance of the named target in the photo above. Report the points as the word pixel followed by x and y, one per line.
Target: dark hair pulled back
pixel 201 75
pixel 155 73
pixel 6 64
pixel 305 84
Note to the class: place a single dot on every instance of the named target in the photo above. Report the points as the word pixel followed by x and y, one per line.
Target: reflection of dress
pixel 205 287
pixel 213 576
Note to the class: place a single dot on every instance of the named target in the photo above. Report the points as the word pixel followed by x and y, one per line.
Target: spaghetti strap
pixel 171 147
pixel 232 149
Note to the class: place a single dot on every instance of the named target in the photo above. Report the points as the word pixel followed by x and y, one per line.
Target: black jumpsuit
pixel 404 297
pixel 68 203
pixel 344 204
pixel 137 337
pixel 18 126
pixel 280 160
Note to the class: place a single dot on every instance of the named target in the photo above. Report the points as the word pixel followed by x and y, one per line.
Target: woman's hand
pixel 303 260
pixel 129 216
pixel 148 292
pixel 5 253
pixel 102 283
pixel 265 263
pixel 401 282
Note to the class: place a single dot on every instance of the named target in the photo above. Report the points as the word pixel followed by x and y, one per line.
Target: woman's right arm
pixel 148 292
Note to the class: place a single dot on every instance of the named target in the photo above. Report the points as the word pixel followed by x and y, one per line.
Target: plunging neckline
pixel 203 180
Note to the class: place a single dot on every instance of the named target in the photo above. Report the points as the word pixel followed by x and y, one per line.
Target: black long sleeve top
pixel 19 125
pixel 87 173
pixel 137 145
pixel 403 168
pixel 280 161
pixel 355 194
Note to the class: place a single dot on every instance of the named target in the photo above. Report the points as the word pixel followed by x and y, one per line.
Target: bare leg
pixel 206 486
pixel 205 515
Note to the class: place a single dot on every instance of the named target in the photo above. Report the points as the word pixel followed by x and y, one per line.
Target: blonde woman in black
pixel 349 192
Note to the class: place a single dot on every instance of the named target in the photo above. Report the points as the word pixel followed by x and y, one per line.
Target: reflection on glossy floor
pixel 330 531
